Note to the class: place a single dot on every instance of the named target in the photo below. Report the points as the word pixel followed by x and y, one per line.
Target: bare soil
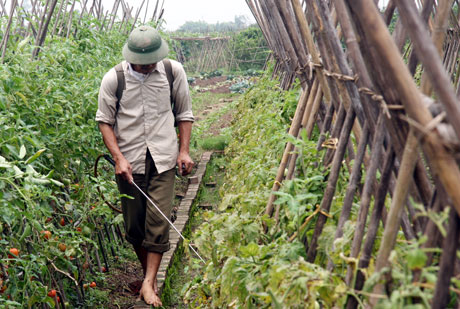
pixel 217 84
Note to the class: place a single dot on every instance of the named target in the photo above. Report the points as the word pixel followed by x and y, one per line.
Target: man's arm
pixel 122 166
pixel 184 159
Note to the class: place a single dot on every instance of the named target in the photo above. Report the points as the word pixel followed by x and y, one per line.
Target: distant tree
pixel 240 22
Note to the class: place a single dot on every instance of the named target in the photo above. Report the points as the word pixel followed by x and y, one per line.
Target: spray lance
pixel 108 158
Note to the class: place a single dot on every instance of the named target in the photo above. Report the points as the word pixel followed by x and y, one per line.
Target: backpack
pixel 122 85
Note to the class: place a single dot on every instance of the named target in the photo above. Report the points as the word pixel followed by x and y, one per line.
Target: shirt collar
pixel 139 76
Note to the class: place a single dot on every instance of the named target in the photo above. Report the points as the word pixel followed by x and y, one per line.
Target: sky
pixel 177 12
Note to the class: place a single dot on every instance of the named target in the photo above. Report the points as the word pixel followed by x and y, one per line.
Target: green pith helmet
pixel 145 46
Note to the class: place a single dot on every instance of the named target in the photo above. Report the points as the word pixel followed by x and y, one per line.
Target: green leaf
pixel 416 259
pixel 4 163
pixel 250 250
pixel 35 156
pixel 22 152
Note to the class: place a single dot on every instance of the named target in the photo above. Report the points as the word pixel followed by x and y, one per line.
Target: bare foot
pixel 155 286
pixel 148 294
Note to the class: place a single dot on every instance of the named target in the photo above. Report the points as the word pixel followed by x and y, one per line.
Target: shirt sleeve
pixel 107 99
pixel 181 95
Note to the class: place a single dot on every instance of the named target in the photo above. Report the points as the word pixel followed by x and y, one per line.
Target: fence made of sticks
pixel 38 19
pixel 207 54
pixel 387 104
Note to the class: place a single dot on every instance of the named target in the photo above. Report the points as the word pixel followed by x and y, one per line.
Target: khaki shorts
pixel 144 225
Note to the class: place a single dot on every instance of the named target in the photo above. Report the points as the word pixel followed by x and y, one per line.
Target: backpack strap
pixel 121 86
pixel 170 77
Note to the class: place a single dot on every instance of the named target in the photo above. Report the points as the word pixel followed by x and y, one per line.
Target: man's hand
pixel 185 163
pixel 122 166
pixel 123 169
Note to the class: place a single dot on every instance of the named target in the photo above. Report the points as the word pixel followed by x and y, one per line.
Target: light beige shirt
pixel 144 119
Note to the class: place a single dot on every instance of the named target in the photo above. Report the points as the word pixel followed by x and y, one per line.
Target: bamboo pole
pixel 270 11
pixel 425 15
pixel 41 23
pixel 295 39
pixel 85 3
pixel 331 184
pixel 6 36
pixel 145 14
pixel 429 56
pixel 69 24
pixel 443 165
pixel 58 20
pixel 293 130
pixel 326 126
pixel 447 266
pixel 364 205
pixel 438 36
pixel 355 177
pixel 397 206
pixel 308 39
pixel 113 14
pixel 137 15
pixel 4 10
pixel 376 217
pixel 339 56
pixel 155 10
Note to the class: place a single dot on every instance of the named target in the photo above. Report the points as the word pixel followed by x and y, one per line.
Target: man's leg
pixel 160 190
pixel 142 256
pixel 134 218
pixel 149 291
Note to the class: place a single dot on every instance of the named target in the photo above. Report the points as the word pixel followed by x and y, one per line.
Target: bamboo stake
pixel 146 9
pixel 441 162
pixel 356 57
pixel 306 116
pixel 69 24
pixel 397 206
pixel 58 20
pixel 85 3
pixel 377 215
pixel 341 60
pixel 308 39
pixel 340 118
pixel 137 15
pixel 365 201
pixel 113 14
pixel 351 188
pixel 326 126
pixel 447 266
pixel 331 184
pixel 41 23
pixel 293 130
pixel 155 11
pixel 6 36
pixel 274 15
pixel 3 11
pixel 425 15
pixel 104 20
pixel 429 56
pixel 293 34
pixel 438 36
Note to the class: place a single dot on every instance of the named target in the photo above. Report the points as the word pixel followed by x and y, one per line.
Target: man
pixel 139 133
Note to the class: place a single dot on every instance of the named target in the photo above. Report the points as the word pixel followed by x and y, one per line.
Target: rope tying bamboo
pixel 378 98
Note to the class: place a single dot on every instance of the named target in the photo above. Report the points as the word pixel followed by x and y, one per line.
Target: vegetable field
pixel 337 186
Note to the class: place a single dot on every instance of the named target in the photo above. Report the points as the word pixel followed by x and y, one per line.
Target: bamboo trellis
pixel 406 132
pixel 206 54
pixel 60 17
